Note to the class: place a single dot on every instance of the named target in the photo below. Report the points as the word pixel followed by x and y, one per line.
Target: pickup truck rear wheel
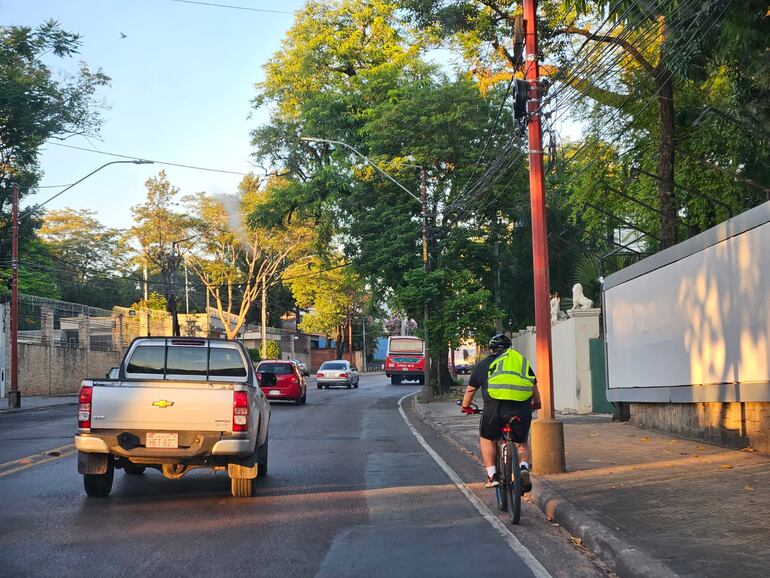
pixel 242 487
pixel 99 485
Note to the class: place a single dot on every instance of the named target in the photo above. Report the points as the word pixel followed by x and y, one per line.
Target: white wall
pixel 571 368
pixel 699 321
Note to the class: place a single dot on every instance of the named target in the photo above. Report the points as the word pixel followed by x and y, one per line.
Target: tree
pixel 154 301
pixel 161 231
pixel 332 293
pixel 238 264
pixel 398 120
pixel 90 259
pixel 37 105
pixel 633 61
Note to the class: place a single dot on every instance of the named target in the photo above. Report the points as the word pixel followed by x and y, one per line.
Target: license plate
pixel 162 440
pixel 275 392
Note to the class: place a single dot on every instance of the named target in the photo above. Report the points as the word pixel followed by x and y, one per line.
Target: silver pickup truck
pixel 174 404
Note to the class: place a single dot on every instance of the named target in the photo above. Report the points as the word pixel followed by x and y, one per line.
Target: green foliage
pixel 37 104
pixel 254 354
pixel 154 301
pixel 273 350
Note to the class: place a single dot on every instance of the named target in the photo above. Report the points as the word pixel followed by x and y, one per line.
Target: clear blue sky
pixel 182 81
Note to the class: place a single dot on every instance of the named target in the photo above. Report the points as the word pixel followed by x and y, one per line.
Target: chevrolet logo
pixel 162 403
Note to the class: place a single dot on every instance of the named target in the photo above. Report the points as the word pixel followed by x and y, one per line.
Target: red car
pixel 288 385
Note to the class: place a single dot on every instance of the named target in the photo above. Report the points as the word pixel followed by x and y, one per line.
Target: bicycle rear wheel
pixel 513 482
pixel 501 490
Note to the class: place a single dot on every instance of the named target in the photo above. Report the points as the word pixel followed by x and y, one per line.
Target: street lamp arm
pixel 367 159
pixel 31 210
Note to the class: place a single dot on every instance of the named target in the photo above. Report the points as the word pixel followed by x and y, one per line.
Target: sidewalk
pixel 35 402
pixel 649 504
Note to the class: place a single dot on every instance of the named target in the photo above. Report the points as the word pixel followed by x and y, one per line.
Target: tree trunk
pixel 338 343
pixel 443 377
pixel 664 85
pixel 263 315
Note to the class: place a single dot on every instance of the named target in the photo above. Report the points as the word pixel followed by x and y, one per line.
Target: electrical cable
pixel 233 7
pixel 194 167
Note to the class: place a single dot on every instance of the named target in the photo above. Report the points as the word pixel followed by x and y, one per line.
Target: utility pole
pixel 14 395
pixel 363 328
pixel 547 433
pixel 186 290
pixel 427 388
pixel 144 272
pixel 498 284
pixel 172 291
pixel 351 355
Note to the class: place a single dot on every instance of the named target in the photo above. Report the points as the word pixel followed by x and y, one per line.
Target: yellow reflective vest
pixel 509 377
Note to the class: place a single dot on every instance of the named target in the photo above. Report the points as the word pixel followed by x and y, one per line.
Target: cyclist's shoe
pixel 492 481
pixel 526 481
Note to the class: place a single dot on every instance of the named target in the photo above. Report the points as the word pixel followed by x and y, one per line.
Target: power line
pixel 233 7
pixel 133 157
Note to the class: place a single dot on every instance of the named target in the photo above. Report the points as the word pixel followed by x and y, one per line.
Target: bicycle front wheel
pixel 513 482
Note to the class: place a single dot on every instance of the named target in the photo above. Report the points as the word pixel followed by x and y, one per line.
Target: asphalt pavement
pixel 351 491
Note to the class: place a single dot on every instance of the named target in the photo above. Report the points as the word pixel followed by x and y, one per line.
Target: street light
pixel 34 208
pixel 427 390
pixel 367 159
pixel 14 395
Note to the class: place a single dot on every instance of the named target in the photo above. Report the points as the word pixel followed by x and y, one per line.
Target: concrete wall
pixel 737 425
pixel 318 356
pixel 45 370
pixel 571 361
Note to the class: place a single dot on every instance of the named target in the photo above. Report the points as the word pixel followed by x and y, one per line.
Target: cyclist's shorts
pixel 496 414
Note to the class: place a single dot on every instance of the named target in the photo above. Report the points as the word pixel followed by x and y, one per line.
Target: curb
pixel 618 554
pixel 597 537
pixel 15 410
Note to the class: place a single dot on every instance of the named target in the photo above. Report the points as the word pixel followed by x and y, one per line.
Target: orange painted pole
pixel 547 437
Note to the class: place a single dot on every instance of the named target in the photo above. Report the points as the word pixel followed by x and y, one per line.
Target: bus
pixel 405 359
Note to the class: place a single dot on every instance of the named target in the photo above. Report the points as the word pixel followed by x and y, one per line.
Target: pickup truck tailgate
pixel 197 407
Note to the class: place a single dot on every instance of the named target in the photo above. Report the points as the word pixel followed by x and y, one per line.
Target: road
pixel 351 491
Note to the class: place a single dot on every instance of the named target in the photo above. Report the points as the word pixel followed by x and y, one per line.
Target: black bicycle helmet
pixel 499 342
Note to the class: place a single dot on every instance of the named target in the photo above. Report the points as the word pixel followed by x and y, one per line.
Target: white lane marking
pixel 523 553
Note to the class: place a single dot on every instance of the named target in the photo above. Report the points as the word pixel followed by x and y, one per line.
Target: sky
pixel 182 81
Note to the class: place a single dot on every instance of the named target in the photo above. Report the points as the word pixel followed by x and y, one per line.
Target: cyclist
pixel 509 389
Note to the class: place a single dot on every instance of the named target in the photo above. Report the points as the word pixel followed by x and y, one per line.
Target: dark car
pixel 462 368
pixel 282 380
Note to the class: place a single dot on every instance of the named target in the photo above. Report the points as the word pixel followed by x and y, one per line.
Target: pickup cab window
pixel 148 360
pixel 226 363
pixel 191 361
pixel 186 361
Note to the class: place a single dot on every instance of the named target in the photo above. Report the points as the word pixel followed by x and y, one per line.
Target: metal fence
pixel 62 324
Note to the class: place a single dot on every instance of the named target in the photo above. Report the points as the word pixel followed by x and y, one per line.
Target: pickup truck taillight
pixel 240 411
pixel 84 407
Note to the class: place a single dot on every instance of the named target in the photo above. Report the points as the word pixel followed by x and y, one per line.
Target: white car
pixel 338 372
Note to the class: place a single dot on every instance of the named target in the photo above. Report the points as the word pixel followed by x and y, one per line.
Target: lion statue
pixel 580 301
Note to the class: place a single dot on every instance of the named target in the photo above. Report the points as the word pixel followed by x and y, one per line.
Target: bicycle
pixel 509 491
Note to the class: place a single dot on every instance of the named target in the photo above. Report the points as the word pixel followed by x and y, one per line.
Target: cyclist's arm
pixel 536 403
pixel 468 397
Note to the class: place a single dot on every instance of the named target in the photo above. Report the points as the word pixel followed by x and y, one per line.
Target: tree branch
pixel 608 39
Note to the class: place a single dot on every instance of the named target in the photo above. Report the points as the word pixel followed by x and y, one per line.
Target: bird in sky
pixel 122 36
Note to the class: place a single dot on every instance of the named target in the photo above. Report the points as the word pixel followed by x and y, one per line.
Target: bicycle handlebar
pixel 473 406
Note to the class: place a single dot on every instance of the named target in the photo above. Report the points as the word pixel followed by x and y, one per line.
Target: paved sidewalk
pixel 648 503
pixel 35 402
